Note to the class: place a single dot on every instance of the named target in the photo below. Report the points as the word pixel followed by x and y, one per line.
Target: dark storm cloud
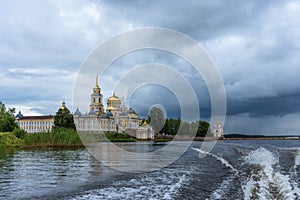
pixel 157 95
pixel 255 45
pixel 199 19
pixel 266 47
pixel 280 105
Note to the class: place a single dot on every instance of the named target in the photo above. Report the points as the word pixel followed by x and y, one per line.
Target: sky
pixel 254 44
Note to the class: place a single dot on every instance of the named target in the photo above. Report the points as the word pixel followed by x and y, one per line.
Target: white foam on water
pixel 297 159
pixel 173 188
pixel 289 148
pixel 222 189
pixel 219 158
pixel 157 185
pixel 263 191
pixel 294 173
pixel 267 179
pixel 248 188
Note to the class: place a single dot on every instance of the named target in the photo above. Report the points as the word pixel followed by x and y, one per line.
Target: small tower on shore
pixel 218 130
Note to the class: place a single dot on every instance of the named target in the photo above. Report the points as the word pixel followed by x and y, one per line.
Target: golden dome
pixel 113 98
pixel 110 108
pixel 145 123
pixel 63 105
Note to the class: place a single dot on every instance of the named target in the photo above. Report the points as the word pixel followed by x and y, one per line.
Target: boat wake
pixel 265 182
pixel 155 185
pixel 259 177
pixel 223 188
pixel 219 158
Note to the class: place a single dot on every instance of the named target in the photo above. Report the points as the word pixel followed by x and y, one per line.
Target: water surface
pixel 232 170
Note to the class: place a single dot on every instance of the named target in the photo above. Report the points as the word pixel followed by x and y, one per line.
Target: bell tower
pixel 218 130
pixel 96 99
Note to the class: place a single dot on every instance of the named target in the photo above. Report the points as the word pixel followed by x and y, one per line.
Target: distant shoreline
pixel 246 138
pixel 265 138
pixel 187 138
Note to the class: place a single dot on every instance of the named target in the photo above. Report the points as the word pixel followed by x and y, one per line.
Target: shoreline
pixel 157 140
pixel 266 138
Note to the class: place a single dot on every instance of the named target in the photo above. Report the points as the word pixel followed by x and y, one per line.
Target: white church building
pixel 116 118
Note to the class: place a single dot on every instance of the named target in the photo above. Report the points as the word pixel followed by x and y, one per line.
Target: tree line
pixel 171 126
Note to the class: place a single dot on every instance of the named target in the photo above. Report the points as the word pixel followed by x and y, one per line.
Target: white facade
pixel 117 118
pixel 218 130
pixel 35 124
pixel 94 123
pixel 145 132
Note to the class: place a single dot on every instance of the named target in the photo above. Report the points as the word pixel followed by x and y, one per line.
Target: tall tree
pixel 64 118
pixel 203 129
pixel 172 126
pixel 7 119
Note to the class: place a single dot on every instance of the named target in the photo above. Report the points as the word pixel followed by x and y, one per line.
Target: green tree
pixel 203 129
pixel 148 120
pixel 7 119
pixel 172 126
pixel 64 118
pixel 166 128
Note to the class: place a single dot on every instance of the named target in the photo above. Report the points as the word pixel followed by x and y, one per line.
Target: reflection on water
pixel 38 173
pixel 24 173
pixel 138 157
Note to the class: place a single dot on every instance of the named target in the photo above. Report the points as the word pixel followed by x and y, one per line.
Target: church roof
pixel 131 111
pixel 19 115
pixel 38 117
pixel 95 112
pixel 110 108
pixel 128 112
pixel 113 98
pixel 145 123
pixel 109 114
pixel 77 112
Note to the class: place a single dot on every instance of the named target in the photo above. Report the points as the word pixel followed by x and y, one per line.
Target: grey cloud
pixel 280 105
pixel 199 19
pixel 271 125
pixel 255 45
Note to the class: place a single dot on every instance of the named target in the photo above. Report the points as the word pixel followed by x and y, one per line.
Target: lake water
pixel 232 170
